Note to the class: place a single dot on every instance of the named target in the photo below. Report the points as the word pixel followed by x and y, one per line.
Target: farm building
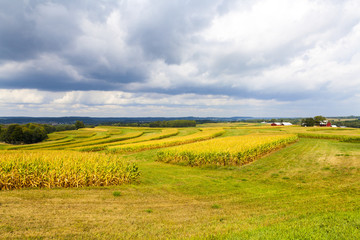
pixel 325 124
pixel 281 124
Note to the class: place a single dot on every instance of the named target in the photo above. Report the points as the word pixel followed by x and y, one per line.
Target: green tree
pixel 13 134
pixel 29 133
pixel 1 134
pixel 308 122
pixel 319 119
pixel 79 124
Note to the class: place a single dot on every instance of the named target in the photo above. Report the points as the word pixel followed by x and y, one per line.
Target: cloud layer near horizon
pixel 176 58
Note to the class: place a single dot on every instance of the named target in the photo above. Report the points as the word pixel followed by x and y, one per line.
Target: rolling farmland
pixel 210 182
pixel 237 151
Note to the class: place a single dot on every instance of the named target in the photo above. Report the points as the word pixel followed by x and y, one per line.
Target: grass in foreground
pixel 308 190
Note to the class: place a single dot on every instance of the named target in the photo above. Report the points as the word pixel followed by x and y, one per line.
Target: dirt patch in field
pixel 344 160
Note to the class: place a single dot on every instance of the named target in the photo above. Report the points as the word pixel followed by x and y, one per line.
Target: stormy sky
pixel 136 58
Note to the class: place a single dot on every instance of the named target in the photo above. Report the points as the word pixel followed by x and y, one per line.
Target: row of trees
pixel 171 123
pixel 32 132
pixel 29 133
pixel 349 123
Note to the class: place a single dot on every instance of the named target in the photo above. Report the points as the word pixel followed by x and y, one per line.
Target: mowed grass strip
pixel 236 150
pixel 50 169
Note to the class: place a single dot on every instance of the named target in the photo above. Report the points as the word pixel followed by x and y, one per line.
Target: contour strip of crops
pixel 66 145
pixel 342 138
pixel 204 134
pixel 236 150
pixel 101 145
pixel 52 169
pixel 165 133
pixel 99 141
pixel 73 136
pixel 42 144
pixel 112 139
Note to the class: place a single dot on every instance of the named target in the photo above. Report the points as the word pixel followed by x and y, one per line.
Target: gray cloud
pixel 293 51
pixel 28 29
pixel 164 30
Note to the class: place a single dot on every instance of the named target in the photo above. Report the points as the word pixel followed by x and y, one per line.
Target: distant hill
pixel 97 120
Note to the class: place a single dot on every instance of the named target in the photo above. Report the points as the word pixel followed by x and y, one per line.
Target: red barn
pixel 325 124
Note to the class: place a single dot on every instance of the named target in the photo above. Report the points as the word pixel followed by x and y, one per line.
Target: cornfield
pixel 341 138
pixel 237 150
pixel 203 134
pixel 132 138
pixel 51 169
pixel 71 137
pixel 109 139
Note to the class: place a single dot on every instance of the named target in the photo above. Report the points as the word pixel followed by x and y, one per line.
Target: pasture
pixel 305 188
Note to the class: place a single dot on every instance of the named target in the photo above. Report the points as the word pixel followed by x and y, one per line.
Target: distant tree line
pixel 32 132
pixel 171 123
pixel 127 124
pixel 28 133
pixel 348 123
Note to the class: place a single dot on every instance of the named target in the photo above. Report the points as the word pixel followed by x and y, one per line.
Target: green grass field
pixel 308 190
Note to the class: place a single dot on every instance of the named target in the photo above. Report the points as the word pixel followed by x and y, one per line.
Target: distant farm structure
pixel 281 124
pixel 325 124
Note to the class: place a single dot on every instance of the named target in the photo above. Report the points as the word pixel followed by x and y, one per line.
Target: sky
pixel 161 58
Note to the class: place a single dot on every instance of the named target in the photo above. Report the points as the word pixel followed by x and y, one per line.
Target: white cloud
pixel 116 103
pixel 18 96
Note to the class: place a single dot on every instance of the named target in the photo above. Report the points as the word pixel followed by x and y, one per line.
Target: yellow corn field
pixel 203 134
pixel 51 169
pixel 130 138
pixel 105 141
pixel 237 150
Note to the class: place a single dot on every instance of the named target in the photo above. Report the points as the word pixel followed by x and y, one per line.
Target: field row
pixel 236 150
pixel 342 138
pixel 129 139
pixel 50 169
pixel 204 134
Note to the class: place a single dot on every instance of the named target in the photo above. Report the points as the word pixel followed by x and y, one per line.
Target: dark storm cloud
pixel 259 52
pixel 51 82
pixel 28 29
pixel 31 29
pixel 165 30
pixel 244 93
pixel 17 41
